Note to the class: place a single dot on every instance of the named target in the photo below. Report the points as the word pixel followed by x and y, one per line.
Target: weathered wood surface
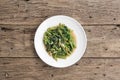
pixel 19 20
pixel 35 69
pixel 17 41
pixel 35 11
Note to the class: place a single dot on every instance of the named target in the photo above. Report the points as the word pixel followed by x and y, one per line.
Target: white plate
pixel 79 32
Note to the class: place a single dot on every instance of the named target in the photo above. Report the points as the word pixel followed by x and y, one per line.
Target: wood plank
pixel 35 11
pixel 35 69
pixel 103 41
pixel 17 41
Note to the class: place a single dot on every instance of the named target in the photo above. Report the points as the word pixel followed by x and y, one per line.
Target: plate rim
pixel 85 36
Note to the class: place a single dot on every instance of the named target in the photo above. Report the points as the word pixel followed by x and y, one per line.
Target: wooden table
pixel 19 20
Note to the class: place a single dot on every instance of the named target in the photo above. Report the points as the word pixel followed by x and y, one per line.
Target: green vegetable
pixel 59 41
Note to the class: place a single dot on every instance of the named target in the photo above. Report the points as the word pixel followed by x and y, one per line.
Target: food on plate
pixel 59 41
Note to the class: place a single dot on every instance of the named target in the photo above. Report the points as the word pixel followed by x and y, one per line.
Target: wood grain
pixel 35 69
pixel 19 20
pixel 87 12
pixel 17 41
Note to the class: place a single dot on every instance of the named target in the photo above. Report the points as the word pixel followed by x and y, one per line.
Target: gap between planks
pixel 81 58
pixel 40 23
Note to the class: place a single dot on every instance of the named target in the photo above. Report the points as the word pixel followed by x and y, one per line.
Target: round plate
pixel 80 35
